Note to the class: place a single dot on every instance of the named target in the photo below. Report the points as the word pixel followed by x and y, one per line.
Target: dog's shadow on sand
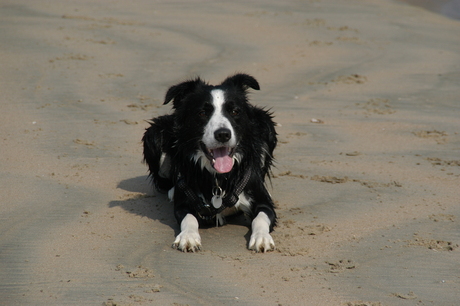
pixel 142 200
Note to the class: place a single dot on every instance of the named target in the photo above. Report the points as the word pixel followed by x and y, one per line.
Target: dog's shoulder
pixel 263 128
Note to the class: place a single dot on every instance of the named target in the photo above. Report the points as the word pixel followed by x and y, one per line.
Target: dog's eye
pixel 235 112
pixel 202 113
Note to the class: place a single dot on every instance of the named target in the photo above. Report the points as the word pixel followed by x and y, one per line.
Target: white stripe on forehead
pixel 217 121
pixel 218 98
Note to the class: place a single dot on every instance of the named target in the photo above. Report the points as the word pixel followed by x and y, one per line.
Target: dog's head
pixel 212 120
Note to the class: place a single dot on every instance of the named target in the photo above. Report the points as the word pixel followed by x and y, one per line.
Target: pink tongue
pixel 223 163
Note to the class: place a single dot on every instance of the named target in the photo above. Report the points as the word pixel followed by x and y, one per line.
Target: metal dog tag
pixel 216 201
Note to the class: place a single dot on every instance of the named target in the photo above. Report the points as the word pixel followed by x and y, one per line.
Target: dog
pixel 212 155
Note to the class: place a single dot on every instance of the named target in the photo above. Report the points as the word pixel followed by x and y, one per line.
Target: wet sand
pixel 449 8
pixel 367 194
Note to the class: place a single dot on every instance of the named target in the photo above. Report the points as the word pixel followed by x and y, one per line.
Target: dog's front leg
pixel 189 239
pixel 261 240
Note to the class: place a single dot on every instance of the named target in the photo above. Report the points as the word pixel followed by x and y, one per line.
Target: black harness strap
pixel 207 211
pixel 232 198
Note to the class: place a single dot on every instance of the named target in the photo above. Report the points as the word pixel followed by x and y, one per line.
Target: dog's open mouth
pixel 221 158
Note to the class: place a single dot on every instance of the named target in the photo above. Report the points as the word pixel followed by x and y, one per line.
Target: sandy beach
pixel 367 95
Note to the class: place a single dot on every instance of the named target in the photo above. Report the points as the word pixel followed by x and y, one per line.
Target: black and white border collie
pixel 212 155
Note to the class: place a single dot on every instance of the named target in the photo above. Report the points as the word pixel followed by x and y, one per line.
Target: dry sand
pixel 368 199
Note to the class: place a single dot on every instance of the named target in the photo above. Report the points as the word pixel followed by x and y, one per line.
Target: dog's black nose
pixel 223 135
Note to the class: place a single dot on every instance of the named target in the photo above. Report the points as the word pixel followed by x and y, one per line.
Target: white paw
pixel 261 242
pixel 188 241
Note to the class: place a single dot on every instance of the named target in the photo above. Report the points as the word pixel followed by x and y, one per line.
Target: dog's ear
pixel 178 92
pixel 243 81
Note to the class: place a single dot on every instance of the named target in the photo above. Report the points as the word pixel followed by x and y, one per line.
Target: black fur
pixel 177 137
